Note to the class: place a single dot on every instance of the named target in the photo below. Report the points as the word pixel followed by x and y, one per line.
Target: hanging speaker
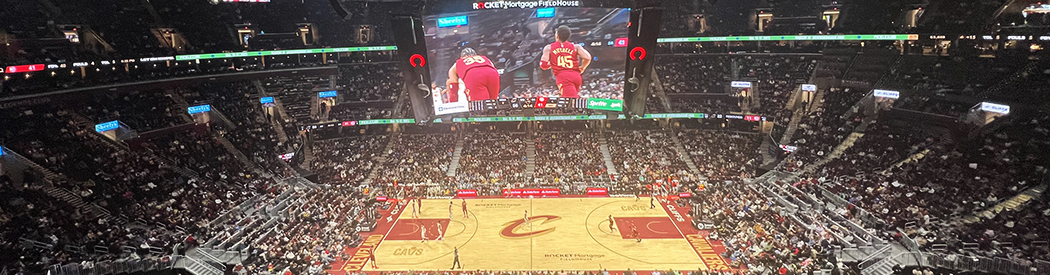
pixel 412 56
pixel 643 30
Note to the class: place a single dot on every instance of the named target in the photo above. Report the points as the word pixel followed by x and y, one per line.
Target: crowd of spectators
pixel 823 129
pixel 722 156
pixel 371 81
pixel 317 229
pixel 641 156
pixel 252 131
pixel 569 157
pixel 491 158
pixel 915 180
pixel 417 159
pixel 346 161
pixel 757 235
pixel 142 110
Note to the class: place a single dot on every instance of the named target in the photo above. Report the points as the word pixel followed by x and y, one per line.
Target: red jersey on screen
pixel 479 77
pixel 464 65
pixel 563 57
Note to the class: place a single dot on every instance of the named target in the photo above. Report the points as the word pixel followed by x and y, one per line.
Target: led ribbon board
pixel 858 37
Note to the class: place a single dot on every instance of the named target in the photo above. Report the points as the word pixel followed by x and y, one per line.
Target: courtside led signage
pixel 106 126
pixel 265 100
pixel 995 108
pixel 199 109
pixel 740 84
pixel 545 13
pixel 327 94
pixel 887 94
pixel 452 21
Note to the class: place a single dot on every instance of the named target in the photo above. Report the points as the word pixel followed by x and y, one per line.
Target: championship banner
pixel 532 192
pixel 467 193
pixel 597 192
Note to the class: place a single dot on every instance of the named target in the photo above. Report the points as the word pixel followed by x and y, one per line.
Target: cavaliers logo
pixel 517 229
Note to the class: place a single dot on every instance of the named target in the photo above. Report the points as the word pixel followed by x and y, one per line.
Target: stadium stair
pixel 181 103
pixel 197 267
pixel 530 157
pixel 308 153
pixel 71 198
pixel 603 145
pixel 1012 204
pixel 796 118
pixel 280 109
pixel 658 90
pixel 382 158
pixel 240 156
pixel 48 175
pixel 835 153
pixel 456 154
pixel 684 155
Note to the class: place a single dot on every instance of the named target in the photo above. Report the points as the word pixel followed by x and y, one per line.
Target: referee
pixel 455 262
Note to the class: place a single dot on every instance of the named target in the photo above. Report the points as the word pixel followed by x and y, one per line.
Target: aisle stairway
pixel 71 198
pixel 240 156
pixel 1012 204
pixel 603 145
pixel 835 153
pixel 180 104
pixel 382 158
pixel 684 155
pixel 792 126
pixel 530 157
pixel 455 157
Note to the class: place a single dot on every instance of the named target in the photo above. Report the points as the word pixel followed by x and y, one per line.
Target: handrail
pixel 874 258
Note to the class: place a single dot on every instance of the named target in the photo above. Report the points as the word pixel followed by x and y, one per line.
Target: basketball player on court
pixel 611 223
pixel 372 258
pixel 569 61
pixel 464 203
pixel 441 234
pixel 423 232
pixel 450 210
pixel 634 232
pixel 475 75
pixel 415 212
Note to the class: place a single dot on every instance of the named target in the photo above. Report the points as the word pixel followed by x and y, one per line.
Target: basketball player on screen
pixel 569 61
pixel 475 75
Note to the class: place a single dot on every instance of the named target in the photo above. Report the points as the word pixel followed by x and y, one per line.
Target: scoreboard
pixel 502 104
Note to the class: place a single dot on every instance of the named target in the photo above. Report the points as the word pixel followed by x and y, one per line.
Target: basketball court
pixel 560 234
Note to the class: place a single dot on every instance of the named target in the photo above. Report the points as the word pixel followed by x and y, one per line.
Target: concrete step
pixel 684 155
pixel 603 145
pixel 455 158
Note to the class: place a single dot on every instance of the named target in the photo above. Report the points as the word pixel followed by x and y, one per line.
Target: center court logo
pixel 510 232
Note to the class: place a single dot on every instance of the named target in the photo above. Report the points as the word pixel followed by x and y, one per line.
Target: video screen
pixel 489 55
